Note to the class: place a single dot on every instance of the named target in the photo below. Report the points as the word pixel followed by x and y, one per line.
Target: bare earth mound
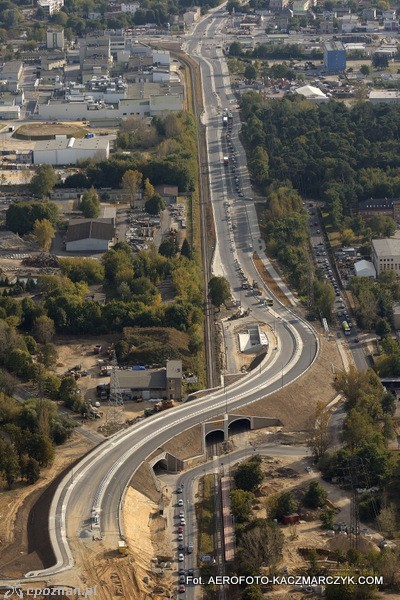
pixel 38 131
pixel 295 404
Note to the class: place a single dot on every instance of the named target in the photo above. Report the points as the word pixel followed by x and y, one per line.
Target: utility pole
pixel 115 412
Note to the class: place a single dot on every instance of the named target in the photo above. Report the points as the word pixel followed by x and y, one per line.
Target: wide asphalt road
pixel 87 502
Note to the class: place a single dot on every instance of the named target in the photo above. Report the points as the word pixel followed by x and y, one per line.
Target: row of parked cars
pixel 181 520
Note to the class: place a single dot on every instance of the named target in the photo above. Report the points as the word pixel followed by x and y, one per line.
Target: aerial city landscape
pixel 200 299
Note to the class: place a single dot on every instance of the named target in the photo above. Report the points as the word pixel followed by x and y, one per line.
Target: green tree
pixel 169 247
pixel 281 505
pixel 382 328
pixel 48 355
pixel 235 49
pixel 44 233
pixel 90 204
pixel 315 496
pixel 324 298
pixel 44 329
pixel 20 363
pixel 387 520
pixel 89 270
pixel 219 290
pixel 250 72
pixel 21 216
pixel 249 475
pixel 327 518
pixel 10 465
pixel 50 384
pixel 318 439
pixel 259 165
pixel 252 592
pixel 69 393
pixel 154 205
pixel 148 190
pixel 232 5
pixel 44 180
pixel 241 505
pixel 380 61
pixel 358 428
pixel 39 446
pixel 31 470
pixel 131 181
pixel 186 249
pixel 365 70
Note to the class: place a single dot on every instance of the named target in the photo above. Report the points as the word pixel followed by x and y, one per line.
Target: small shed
pixel 291 519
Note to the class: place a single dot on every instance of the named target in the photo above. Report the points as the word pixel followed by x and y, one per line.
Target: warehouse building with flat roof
pixel 66 151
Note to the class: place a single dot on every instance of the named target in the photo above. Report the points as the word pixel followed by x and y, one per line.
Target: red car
pixel 180 529
pixel 182 589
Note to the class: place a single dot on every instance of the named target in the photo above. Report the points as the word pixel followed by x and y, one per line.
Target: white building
pixel 12 72
pixel 384 96
pixel 11 112
pixel 55 39
pixel 386 255
pixel 90 235
pixel 68 151
pixel 50 6
pixel 129 7
pixel 82 110
pixel 162 57
pixel 312 93
pixel 364 268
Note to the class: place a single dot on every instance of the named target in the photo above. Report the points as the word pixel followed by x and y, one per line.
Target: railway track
pixel 206 224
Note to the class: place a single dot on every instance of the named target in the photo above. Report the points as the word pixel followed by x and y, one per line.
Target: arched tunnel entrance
pixel 239 426
pixel 160 466
pixel 214 440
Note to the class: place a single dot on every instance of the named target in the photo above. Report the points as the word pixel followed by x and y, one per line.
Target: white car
pixel 180 502
pixel 181 558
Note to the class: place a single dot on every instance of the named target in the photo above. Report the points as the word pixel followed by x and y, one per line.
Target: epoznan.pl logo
pixel 14 590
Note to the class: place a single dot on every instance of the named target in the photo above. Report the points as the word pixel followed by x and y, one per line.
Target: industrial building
pixel 334 57
pixel 11 73
pixel 66 151
pixel 165 382
pixel 90 235
pixel 386 255
pixel 384 97
pixel 11 112
pixel 68 110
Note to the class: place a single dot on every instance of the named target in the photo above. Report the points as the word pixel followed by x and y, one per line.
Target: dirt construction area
pixel 136 575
